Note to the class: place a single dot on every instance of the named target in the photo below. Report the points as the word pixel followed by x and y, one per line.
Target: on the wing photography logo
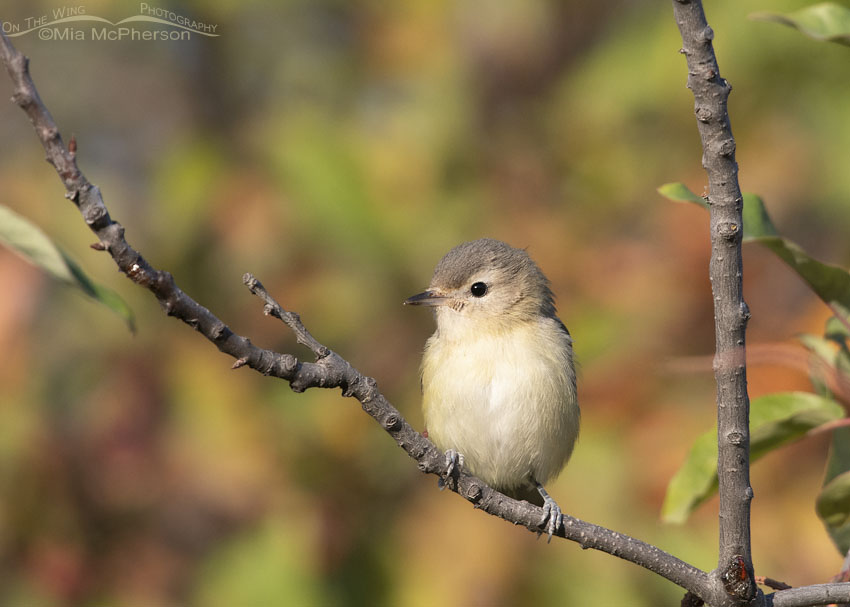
pixel 74 23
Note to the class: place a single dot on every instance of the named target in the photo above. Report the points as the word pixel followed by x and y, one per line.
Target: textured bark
pixel 730 311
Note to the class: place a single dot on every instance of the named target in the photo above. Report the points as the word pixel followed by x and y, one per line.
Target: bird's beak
pixel 426 298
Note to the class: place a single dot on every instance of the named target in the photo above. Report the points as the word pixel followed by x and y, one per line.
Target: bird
pixel 498 375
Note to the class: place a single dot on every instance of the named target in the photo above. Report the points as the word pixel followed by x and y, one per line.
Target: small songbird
pixel 498 378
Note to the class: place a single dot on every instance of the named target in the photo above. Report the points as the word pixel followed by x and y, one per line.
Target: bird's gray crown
pixel 512 266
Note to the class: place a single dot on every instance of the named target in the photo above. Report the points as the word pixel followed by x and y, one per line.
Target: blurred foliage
pixel 833 502
pixel 336 150
pixel 831 378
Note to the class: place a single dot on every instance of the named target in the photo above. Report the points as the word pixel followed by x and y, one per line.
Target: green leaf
pixel 833 357
pixel 839 455
pixel 833 503
pixel 775 419
pixel 27 240
pixel 757 223
pixel 826 21
pixel 822 368
pixel 694 482
pixel 823 347
pixel 836 330
pixel 830 283
pixel 679 192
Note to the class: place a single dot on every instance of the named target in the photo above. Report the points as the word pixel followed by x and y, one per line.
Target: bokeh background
pixel 337 149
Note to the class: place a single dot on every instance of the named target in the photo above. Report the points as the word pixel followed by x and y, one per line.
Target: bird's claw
pixel 454 462
pixel 553 518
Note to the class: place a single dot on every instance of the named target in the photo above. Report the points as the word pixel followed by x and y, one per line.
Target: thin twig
pixel 292 320
pixel 771 583
pixel 329 371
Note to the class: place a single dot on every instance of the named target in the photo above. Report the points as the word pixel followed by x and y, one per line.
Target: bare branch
pixel 730 311
pixel 806 596
pixel 329 371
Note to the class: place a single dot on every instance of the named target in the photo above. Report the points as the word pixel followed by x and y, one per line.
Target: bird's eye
pixel 478 289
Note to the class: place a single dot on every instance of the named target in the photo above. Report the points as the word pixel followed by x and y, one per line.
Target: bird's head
pixel 487 280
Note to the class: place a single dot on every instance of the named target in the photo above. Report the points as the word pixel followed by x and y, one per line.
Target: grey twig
pixel 329 371
pixel 730 312
pixel 292 320
pixel 771 583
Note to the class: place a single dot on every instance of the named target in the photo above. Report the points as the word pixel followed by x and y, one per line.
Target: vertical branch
pixel 730 311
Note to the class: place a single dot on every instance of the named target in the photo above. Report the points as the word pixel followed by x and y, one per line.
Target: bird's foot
pixel 553 518
pixel 454 462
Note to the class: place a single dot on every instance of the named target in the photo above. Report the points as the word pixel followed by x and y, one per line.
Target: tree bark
pixel 731 314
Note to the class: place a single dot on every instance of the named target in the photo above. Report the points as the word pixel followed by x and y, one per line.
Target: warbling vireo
pixel 498 379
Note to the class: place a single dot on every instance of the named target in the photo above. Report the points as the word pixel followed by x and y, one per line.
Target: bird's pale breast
pixel 505 400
